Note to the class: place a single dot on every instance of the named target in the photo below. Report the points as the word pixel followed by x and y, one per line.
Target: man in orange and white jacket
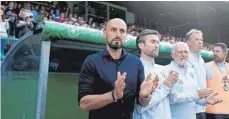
pixel 218 79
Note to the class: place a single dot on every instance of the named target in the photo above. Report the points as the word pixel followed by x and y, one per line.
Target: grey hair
pixel 179 43
pixel 187 36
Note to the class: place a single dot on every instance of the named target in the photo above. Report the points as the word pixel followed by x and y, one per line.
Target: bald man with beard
pixel 112 80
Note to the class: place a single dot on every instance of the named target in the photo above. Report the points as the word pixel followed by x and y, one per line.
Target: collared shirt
pixel 183 96
pixel 222 67
pixel 98 76
pixel 197 62
pixel 158 107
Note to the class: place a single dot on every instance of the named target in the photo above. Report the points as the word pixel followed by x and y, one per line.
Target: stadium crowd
pixel 17 18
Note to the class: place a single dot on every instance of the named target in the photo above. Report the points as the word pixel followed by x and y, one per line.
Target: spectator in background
pixel 70 22
pixel 57 15
pixel 43 8
pixel 4 24
pixel 28 10
pixel 15 6
pixel 70 17
pixel 81 21
pixel 172 40
pixel 18 9
pixel 7 47
pixel 47 9
pixel 12 16
pixel 4 3
pixel 101 27
pixel 40 16
pixel 74 18
pixel 84 24
pixel 51 11
pixel 90 21
pixel 66 14
pixel 23 24
pixel 93 25
pixel 46 14
pixel 76 24
pixel 37 8
pixel 35 12
pixel 166 40
pixel 131 28
pixel 61 19
pixel 50 17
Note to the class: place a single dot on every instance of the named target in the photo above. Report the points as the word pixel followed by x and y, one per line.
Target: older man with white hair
pixel 184 93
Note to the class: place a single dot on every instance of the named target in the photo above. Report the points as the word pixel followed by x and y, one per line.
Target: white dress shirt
pixel 197 62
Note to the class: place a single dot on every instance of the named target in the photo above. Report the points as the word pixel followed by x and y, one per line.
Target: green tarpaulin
pixel 87 35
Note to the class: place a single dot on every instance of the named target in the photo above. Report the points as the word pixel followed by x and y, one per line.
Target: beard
pixel 218 59
pixel 152 54
pixel 115 45
pixel 181 62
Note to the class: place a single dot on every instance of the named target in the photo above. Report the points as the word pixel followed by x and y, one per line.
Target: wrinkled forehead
pixel 181 47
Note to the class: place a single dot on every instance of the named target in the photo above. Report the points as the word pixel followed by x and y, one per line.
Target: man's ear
pixel 188 42
pixel 104 34
pixel 140 45
pixel 225 54
pixel 173 55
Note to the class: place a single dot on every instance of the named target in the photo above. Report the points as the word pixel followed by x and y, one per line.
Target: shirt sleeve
pixel 208 71
pixel 175 97
pixel 201 102
pixel 86 78
pixel 141 78
pixel 9 13
pixel 157 96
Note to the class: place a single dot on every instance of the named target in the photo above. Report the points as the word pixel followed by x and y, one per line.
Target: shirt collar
pixel 105 53
pixel 196 56
pixel 147 62
pixel 220 64
pixel 185 66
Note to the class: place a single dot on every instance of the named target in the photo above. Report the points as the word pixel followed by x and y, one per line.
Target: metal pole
pixel 43 79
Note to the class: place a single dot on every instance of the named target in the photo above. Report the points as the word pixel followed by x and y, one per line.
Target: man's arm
pixel 141 77
pixel 175 97
pixel 86 95
pixel 158 95
pixel 91 102
pixel 145 87
pixel 197 96
pixel 20 24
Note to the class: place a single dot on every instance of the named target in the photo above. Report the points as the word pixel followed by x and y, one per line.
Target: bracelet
pixel 112 93
pixel 143 97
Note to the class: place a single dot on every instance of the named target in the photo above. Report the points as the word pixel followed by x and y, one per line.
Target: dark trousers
pixel 201 115
pixel 217 116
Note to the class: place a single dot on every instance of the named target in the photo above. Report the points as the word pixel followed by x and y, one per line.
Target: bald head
pixel 115 33
pixel 180 53
pixel 116 21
